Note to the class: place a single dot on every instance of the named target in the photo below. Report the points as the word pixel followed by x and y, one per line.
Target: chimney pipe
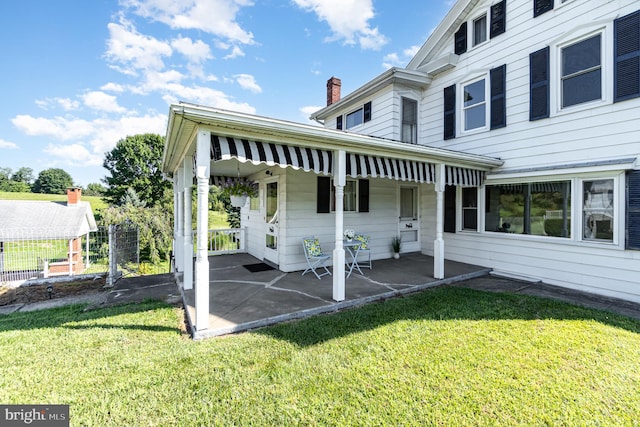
pixel 333 90
pixel 74 194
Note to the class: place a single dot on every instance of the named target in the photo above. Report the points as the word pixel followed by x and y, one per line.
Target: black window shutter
pixel 367 111
pixel 461 39
pixel 449 225
pixel 541 6
pixel 450 112
pixel 339 122
pixel 633 210
pixel 498 97
pixel 498 19
pixel 363 195
pixel 539 84
pixel 626 43
pixel 324 195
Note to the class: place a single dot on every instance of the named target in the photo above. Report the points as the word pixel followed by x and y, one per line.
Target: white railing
pixel 227 241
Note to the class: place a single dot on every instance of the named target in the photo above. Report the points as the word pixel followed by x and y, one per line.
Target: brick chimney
pixel 74 194
pixel 333 90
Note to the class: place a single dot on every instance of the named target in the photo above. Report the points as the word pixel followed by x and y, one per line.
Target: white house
pixel 509 141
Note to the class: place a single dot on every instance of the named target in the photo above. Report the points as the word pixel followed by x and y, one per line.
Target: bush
pixel 553 227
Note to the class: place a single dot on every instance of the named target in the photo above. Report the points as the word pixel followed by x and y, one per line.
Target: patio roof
pixel 304 143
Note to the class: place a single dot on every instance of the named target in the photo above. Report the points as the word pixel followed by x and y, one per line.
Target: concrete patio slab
pixel 240 300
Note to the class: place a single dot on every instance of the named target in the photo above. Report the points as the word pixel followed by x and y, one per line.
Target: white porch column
pixel 179 222
pixel 187 251
pixel 339 181
pixel 202 224
pixel 438 245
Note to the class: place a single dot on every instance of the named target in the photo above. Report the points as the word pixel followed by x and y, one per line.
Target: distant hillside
pixel 97 204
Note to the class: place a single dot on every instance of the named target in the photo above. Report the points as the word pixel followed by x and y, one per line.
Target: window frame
pixel 606 70
pixel 365 111
pixel 462 109
pixel 474 21
pixel 582 72
pixel 414 126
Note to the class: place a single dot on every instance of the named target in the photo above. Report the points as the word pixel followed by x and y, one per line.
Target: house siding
pixel 583 134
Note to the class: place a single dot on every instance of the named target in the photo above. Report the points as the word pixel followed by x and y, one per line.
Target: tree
pixel 154 223
pixel 135 163
pixel 24 175
pixel 94 189
pixel 52 181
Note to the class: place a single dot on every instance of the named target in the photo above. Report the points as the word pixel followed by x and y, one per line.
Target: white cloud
pixel 132 51
pixel 101 101
pixel 308 111
pixel 395 60
pixel 247 81
pixel 67 104
pixel 73 155
pixel 59 127
pixel 7 144
pixel 113 87
pixel 236 52
pixel 204 96
pixel 391 60
pixel 195 52
pixel 217 17
pixel 348 19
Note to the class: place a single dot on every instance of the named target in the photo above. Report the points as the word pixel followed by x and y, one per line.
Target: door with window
pixel 408 224
pixel 271 223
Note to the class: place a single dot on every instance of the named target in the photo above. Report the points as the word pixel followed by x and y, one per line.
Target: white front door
pixel 271 223
pixel 408 224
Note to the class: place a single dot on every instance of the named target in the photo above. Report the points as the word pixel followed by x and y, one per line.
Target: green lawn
pixel 446 357
pixel 97 203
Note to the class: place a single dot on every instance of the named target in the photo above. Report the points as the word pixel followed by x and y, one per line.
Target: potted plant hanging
pixel 238 189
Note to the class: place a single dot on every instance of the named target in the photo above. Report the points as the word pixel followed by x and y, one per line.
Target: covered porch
pixel 240 300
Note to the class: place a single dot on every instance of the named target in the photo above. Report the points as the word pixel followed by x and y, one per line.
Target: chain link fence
pixel 37 254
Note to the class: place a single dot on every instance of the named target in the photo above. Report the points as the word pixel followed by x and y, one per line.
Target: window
pixel 356 195
pixel 254 203
pixel 474 110
pixel 409 121
pixel 597 210
pixel 480 30
pixel 361 115
pixel 339 122
pixel 537 208
pixel 497 25
pixel 408 209
pixel 470 208
pixel 582 72
pixel 477 110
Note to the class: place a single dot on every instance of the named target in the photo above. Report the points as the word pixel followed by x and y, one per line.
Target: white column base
pixel 338 275
pixel 202 294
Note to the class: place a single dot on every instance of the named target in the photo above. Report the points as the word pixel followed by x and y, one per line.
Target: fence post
pixel 112 257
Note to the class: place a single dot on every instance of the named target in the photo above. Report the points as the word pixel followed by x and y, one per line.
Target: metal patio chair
pixel 364 249
pixel 316 258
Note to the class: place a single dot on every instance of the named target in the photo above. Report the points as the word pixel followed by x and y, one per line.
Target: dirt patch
pixel 35 293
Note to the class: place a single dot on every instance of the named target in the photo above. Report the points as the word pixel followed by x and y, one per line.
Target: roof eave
pixel 412 78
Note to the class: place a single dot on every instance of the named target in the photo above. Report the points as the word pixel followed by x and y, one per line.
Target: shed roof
pixel 32 220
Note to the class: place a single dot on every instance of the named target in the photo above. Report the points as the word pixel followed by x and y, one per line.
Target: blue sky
pixel 78 75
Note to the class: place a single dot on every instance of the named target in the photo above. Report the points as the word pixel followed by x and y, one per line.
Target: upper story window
pixel 581 71
pixel 357 117
pixel 480 30
pixel 482 104
pixel 409 121
pixel 493 22
pixel 474 109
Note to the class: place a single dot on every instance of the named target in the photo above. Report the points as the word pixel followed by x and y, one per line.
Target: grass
pixel 447 356
pixel 97 203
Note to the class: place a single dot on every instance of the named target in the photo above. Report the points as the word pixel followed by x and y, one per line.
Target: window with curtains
pixel 598 210
pixel 480 30
pixel 536 208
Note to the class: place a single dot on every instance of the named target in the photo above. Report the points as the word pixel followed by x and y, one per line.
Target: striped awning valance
pixel 359 165
pixel 464 177
pixel 256 152
pixel 321 162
